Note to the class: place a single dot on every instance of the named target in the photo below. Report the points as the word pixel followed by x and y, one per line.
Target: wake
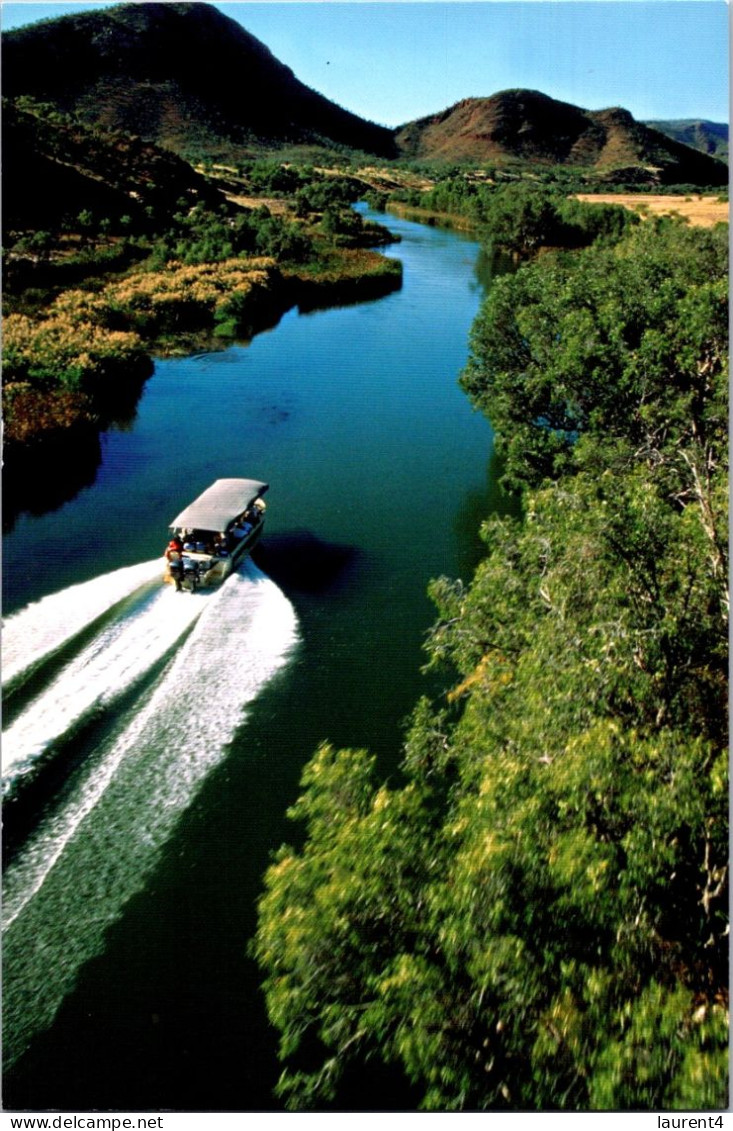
pixel 119 655
pixel 74 874
pixel 37 632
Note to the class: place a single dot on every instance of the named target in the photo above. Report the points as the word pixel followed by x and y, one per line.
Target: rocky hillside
pixel 190 79
pixel 527 126
pixel 182 75
pixel 61 167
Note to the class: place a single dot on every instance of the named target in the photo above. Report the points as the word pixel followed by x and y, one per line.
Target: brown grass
pixel 452 220
pixel 701 211
pixel 388 180
pixel 276 206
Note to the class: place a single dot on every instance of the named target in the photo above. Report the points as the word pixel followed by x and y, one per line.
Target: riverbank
pixel 699 210
pixel 511 882
pixel 434 219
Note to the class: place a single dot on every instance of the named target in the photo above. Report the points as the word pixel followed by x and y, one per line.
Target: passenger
pixel 174 557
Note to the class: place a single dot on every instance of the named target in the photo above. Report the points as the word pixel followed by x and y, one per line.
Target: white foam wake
pixel 123 651
pixel 42 628
pixel 74 875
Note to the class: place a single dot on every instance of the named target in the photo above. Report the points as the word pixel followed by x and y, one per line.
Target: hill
pixel 529 127
pixel 182 75
pixel 708 137
pixel 62 167
pixel 192 80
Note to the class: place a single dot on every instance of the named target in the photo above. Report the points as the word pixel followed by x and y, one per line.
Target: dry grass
pixel 387 180
pixel 454 220
pixel 276 206
pixel 701 211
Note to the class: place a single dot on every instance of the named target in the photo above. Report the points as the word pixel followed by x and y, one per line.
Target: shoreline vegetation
pixel 161 260
pixel 704 210
pixel 533 916
pixel 64 368
pixel 60 364
pixel 166 257
pixel 523 215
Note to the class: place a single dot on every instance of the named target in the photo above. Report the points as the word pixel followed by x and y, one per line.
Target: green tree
pixel 536 916
pixel 38 245
pixel 628 341
pixel 522 218
pixel 548 888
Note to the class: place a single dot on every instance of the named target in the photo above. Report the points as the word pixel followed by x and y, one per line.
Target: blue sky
pixel 393 62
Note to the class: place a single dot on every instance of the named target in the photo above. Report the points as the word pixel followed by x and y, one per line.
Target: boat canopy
pixel 219 504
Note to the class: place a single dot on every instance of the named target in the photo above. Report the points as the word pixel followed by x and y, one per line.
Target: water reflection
pixel 488 266
pixel 73 463
pixel 478 505
pixel 39 478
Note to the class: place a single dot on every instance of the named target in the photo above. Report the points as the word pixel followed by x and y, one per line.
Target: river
pixel 154 740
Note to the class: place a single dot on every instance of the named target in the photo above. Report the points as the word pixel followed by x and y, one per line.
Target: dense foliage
pixel 627 342
pixel 89 343
pixel 522 216
pixel 205 235
pixel 536 916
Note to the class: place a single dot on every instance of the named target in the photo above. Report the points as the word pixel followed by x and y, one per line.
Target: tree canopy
pixel 522 216
pixel 534 917
pixel 628 342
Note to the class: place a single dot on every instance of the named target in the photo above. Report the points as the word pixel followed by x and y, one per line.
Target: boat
pixel 211 536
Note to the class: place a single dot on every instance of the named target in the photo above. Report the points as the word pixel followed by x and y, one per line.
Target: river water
pixel 154 740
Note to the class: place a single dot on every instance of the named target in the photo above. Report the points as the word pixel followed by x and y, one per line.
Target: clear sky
pixel 392 62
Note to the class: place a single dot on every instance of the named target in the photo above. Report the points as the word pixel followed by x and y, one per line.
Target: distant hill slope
pixel 180 74
pixel 192 80
pixel 527 126
pixel 708 137
pixel 60 167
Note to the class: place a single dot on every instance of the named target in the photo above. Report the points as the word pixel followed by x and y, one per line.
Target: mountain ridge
pixel 183 75
pixel 699 133
pixel 191 79
pixel 527 125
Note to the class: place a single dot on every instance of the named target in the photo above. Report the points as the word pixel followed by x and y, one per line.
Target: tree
pixel 334 915
pixel 521 218
pixel 547 891
pixel 628 341
pixel 85 220
pixel 38 245
pixel 536 917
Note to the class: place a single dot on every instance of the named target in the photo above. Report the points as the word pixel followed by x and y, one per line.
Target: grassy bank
pixel 433 218
pixel 347 275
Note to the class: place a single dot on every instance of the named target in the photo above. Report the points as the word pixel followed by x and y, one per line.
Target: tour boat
pixel 211 536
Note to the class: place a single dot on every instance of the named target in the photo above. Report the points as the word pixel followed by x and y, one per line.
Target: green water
pixel 138 837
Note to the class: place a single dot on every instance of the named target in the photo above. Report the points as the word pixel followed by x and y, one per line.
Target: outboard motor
pixel 191 573
pixel 175 568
